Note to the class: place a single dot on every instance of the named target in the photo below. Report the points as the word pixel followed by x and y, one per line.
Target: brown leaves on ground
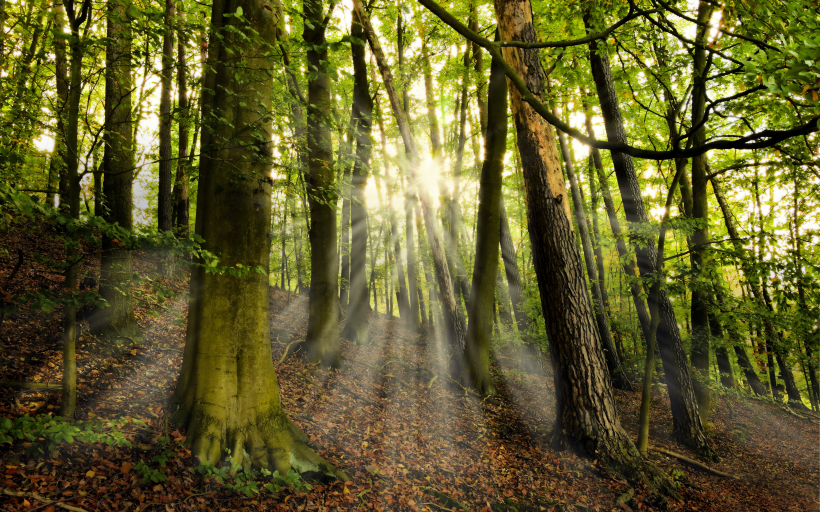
pixel 390 418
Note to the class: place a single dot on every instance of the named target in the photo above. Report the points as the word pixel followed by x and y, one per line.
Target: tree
pixel 322 343
pixel 227 396
pixel 357 311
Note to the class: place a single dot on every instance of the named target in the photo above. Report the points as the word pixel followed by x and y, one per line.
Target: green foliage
pixel 240 479
pixel 44 433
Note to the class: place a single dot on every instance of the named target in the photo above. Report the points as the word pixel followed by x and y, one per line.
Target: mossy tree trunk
pixel 322 341
pixel 117 321
pixel 586 411
pixel 357 312
pixel 488 237
pixel 227 396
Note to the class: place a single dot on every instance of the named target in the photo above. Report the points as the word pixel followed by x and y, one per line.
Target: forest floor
pixel 386 417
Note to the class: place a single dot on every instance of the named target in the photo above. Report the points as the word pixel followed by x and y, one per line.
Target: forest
pixel 519 255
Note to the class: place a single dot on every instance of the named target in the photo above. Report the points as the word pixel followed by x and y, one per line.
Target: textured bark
pixel 164 206
pixel 613 361
pixel 180 192
pixel 510 260
pixel 355 328
pixel 586 412
pixel 488 237
pixel 687 425
pixel 227 396
pixel 627 261
pixel 700 214
pixel 453 327
pixel 322 341
pixel 117 321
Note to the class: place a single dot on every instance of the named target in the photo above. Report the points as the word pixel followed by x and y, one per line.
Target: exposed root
pixel 692 462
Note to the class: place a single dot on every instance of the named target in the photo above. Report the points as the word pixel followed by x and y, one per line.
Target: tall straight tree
pixel 587 418
pixel 118 160
pixel 357 312
pixel 687 425
pixel 164 204
pixel 227 395
pixel 488 236
pixel 181 201
pixel 68 401
pixel 322 341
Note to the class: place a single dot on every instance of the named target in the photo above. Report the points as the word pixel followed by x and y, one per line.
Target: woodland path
pixel 392 426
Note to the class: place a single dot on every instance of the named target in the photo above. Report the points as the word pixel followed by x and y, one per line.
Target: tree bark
pixel 164 206
pixel 356 328
pixel 613 361
pixel 488 237
pixel 180 192
pixel 322 341
pixel 117 321
pixel 510 259
pixel 586 412
pixel 687 425
pixel 700 214
pixel 227 396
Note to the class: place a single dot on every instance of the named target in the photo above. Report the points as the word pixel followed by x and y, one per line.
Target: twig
pixel 447 500
pixel 693 462
pixel 286 350
pixel 58 503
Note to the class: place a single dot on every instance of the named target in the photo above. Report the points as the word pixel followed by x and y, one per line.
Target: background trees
pixel 105 120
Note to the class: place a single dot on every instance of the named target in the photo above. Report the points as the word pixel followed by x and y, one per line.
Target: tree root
pixel 47 502
pixel 447 500
pixel 692 462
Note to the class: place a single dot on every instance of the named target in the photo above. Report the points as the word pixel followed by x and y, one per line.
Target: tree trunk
pixel 613 361
pixel 164 207
pixel 357 312
pixel 322 341
pixel 117 321
pixel 180 192
pixel 488 237
pixel 227 396
pixel 452 325
pixel 700 214
pixel 68 401
pixel 586 411
pixel 57 164
pixel 510 259
pixel 627 261
pixel 432 118
pixel 687 425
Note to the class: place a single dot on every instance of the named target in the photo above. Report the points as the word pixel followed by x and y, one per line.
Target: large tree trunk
pixel 613 361
pixel 357 312
pixel 586 411
pixel 117 321
pixel 453 327
pixel 180 192
pixel 322 341
pixel 227 396
pixel 687 425
pixel 700 214
pixel 488 237
pixel 164 206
